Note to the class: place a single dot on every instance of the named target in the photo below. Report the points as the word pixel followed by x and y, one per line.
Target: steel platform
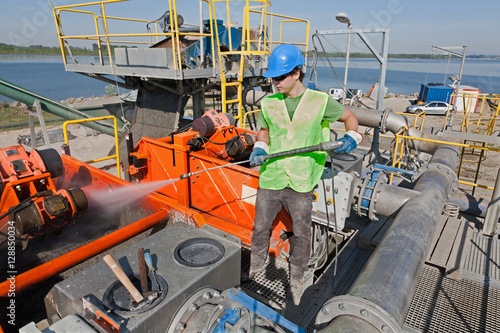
pixel 457 297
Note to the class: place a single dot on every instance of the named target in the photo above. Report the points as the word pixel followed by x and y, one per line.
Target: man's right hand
pixel 260 149
pixel 257 156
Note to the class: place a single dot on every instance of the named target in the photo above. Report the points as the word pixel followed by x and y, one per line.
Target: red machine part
pixel 49 212
pixel 28 194
pixel 212 121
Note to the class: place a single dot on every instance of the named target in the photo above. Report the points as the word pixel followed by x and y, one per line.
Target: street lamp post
pixel 343 18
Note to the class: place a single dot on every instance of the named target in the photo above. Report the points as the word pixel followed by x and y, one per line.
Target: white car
pixel 432 108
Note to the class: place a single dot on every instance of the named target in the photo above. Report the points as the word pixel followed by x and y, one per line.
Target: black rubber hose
pixel 325 146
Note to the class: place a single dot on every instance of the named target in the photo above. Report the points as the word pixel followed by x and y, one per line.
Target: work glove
pixel 349 142
pixel 260 149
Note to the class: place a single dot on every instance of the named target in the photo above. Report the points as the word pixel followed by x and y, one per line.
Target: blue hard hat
pixel 283 60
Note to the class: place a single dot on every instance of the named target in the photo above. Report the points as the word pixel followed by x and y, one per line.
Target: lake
pixel 46 75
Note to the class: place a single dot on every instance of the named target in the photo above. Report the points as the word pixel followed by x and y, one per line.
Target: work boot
pixel 255 270
pixel 296 290
pixel 251 273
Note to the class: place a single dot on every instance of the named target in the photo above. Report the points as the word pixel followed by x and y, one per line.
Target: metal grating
pixel 346 278
pixel 270 283
pixel 482 263
pixel 351 273
pixel 444 305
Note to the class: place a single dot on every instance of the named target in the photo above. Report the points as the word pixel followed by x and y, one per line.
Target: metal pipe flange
pixel 445 170
pixel 356 311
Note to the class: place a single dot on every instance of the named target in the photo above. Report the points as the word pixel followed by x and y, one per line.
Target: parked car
pixel 433 108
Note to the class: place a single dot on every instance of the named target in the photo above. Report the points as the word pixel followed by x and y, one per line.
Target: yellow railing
pixel 416 118
pixel 245 117
pixel 476 111
pixel 106 37
pixel 253 42
pixel 250 46
pixel 117 155
pixel 397 158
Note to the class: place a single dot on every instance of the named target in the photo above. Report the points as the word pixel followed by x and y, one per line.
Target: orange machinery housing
pixel 225 197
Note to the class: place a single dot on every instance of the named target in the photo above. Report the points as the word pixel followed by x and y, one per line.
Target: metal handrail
pixel 245 117
pixel 479 119
pixel 464 145
pixel 263 45
pixel 174 34
pixel 115 125
pixel 416 117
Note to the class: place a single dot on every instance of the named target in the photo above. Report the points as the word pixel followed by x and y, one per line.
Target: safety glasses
pixel 282 77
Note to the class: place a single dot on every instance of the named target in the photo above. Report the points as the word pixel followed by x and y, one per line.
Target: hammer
pixel 140 301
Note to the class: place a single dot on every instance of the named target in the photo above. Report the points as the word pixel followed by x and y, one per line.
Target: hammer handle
pixel 120 274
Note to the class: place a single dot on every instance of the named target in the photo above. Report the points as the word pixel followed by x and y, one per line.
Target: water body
pixel 404 76
pixel 46 75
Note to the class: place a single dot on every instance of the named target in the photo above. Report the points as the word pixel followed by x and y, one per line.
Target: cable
pixel 335 261
pixel 19 205
pixel 353 63
pixel 324 53
pixel 215 143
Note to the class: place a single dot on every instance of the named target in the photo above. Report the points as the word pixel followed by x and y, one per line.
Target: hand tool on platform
pixel 324 146
pixel 140 301
pixel 143 271
pixel 152 275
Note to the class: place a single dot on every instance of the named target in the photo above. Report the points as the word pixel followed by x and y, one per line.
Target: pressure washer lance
pixel 324 146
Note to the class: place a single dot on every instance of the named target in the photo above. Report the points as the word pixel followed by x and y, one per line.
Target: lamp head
pixel 343 18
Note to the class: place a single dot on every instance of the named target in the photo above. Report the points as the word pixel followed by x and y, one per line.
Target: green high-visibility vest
pixel 300 172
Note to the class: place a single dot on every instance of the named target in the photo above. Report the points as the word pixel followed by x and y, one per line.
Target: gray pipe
pixel 393 123
pixel 391 198
pixel 386 285
pixel 254 97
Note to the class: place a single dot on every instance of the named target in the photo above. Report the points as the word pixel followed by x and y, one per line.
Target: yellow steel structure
pixel 250 47
pixel 419 118
pixel 115 125
pixel 106 36
pixel 479 116
pixel 483 122
pixel 401 138
pixel 252 44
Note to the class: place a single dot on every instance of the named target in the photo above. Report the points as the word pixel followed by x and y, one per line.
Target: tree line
pixel 401 55
pixel 47 50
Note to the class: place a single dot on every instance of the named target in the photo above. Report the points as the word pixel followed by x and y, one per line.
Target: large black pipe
pixel 389 278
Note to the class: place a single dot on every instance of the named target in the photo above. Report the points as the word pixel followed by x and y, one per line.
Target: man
pixel 295 117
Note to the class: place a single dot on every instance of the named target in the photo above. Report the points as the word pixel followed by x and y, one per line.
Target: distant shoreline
pixel 361 56
pixel 9 49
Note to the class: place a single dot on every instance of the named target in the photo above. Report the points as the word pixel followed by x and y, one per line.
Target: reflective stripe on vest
pixel 300 172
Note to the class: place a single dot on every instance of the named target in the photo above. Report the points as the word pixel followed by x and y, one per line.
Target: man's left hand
pixel 349 142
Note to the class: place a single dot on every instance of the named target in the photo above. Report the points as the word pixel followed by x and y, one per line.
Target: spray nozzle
pixel 186 175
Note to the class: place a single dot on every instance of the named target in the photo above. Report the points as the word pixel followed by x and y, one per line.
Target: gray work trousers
pixel 267 206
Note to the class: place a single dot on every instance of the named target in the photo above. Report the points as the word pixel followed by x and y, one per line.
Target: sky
pixel 415 25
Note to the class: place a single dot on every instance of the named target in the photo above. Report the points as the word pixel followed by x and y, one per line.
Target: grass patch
pixel 13 116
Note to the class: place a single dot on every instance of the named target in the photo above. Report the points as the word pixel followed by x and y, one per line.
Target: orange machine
pixel 29 198
pixel 30 179
pixel 225 197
